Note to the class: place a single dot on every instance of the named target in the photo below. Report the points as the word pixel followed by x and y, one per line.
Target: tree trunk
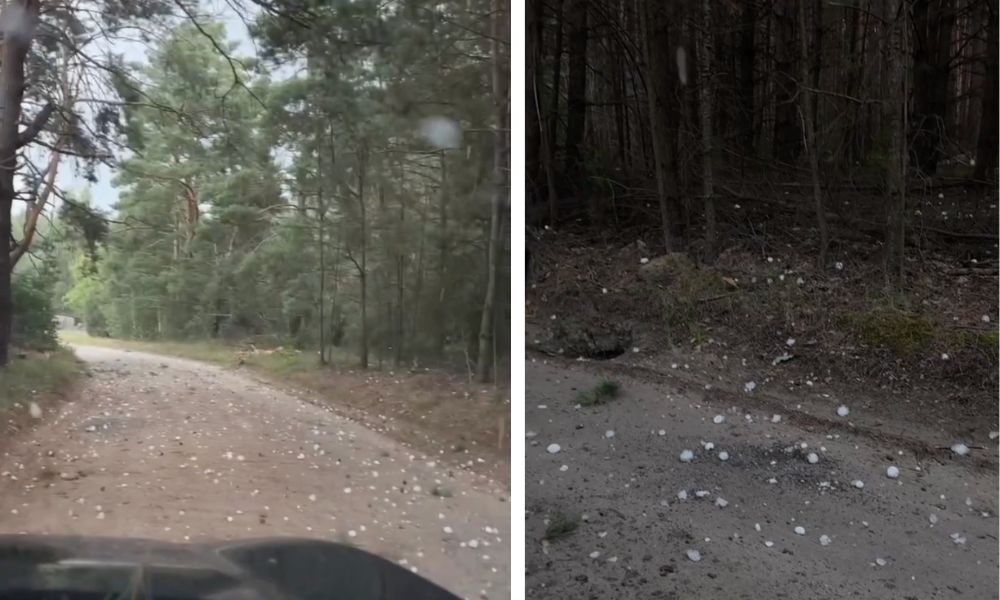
pixel 986 147
pixel 706 101
pixel 787 133
pixel 933 21
pixel 576 89
pixel 18 20
pixel 322 279
pixel 895 103
pixel 533 117
pixel 809 122
pixel 363 266
pixel 441 316
pixel 746 78
pixel 484 358
pixel 666 183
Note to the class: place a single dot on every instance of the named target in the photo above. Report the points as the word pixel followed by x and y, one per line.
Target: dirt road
pixel 172 449
pixel 617 473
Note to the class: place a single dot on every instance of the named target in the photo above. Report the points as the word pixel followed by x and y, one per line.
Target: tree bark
pixel 533 117
pixel 705 105
pixel 787 132
pixel 933 21
pixel 895 103
pixel 576 89
pixel 986 146
pixel 484 357
pixel 666 182
pixel 806 104
pixel 746 74
pixel 18 20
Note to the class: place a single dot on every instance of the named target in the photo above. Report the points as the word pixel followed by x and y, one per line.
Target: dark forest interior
pixel 713 178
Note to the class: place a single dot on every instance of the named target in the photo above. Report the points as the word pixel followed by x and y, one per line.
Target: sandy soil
pixel 634 531
pixel 177 450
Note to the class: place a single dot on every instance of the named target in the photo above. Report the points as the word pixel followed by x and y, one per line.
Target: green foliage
pixel 86 298
pixel 603 392
pixel 265 210
pixel 34 317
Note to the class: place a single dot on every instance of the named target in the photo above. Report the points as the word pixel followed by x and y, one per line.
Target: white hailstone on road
pixel 881 562
pixel 839 266
pixel 843 411
pixel 709 446
pixel 756 527
pixel 609 433
pixel 824 540
pixel 776 419
pixel 723 455
pixel 694 555
pixel 944 356
pixel 958 538
pixel 35 410
pixel 933 518
pixel 986 318
pixel 858 483
pixel 721 502
pixel 564 468
pixel 768 543
pixel 553 448
pixel 447 529
pixel 473 544
pixel 749 386
pixel 960 449
pixel 892 472
pixel 643 260
pixel 635 349
pixel 595 554
pixel 662 432
pixel 813 458
pixel 800 530
pixel 994 435
pixel 683 495
pixel 701 493
pixel 790 342
pixel 687 456
pixel 718 419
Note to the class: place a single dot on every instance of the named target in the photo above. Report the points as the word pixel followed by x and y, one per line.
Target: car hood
pixel 75 567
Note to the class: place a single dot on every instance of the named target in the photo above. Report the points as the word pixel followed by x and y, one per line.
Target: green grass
pixel 560 526
pixel 603 392
pixel 898 330
pixel 37 376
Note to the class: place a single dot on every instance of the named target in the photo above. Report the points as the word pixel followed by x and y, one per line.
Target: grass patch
pixel 205 351
pixel 685 292
pixel 560 526
pixel 603 392
pixel 37 376
pixel 902 332
pixel 985 344
pixel 275 362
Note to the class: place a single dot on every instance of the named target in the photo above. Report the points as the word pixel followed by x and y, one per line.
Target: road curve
pixel 172 449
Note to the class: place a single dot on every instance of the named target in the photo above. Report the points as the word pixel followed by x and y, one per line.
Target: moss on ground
pixel 905 333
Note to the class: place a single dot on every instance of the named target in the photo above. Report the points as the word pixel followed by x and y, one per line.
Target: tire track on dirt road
pixel 171 449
